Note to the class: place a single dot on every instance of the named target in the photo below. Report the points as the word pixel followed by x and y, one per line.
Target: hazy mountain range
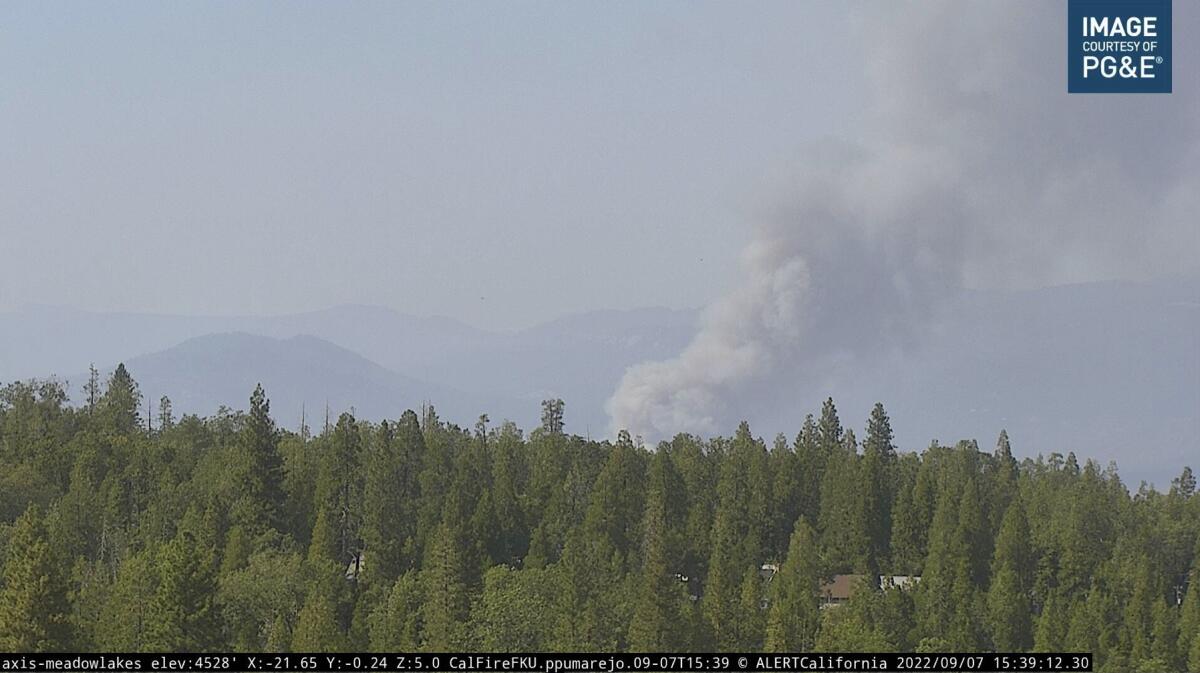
pixel 1110 370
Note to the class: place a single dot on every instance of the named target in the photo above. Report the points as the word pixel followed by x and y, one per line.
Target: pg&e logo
pixel 1119 46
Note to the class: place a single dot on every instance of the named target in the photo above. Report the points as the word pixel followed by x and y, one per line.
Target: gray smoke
pixel 976 168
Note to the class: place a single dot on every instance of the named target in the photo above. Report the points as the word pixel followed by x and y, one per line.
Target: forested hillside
pixel 228 532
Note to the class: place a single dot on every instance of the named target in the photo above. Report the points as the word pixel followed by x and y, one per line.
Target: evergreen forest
pixel 125 528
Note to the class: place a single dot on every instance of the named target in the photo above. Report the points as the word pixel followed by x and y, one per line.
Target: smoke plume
pixel 975 169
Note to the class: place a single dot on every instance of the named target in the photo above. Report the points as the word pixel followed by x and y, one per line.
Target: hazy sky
pixel 507 163
pixel 500 163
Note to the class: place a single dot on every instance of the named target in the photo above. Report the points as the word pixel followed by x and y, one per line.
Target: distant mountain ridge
pixel 1111 370
pixel 299 373
pixel 579 358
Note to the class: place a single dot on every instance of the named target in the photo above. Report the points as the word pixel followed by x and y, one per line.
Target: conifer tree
pixel 261 467
pixel 810 460
pixel 1003 482
pixel 508 476
pixel 946 594
pixel 1082 632
pixel 552 416
pixel 339 486
pixel 34 611
pixel 121 402
pixel 323 546
pixel 1052 625
pixel 843 521
pixel 721 584
pixel 388 493
pixel 1189 617
pixel 125 615
pixel 444 610
pixel 1165 634
pixel 875 489
pixel 166 417
pixel 794 615
pixel 183 616
pixel 658 616
pixel 396 622
pixel 829 427
pixel 617 501
pixel 912 520
pixel 750 626
pixel 1009 609
pixel 786 479
pixel 738 535
pixel 91 389
pixel 317 628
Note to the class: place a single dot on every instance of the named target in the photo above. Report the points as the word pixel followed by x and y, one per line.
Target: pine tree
pixel 913 518
pixel 508 477
pixel 721 585
pixel 166 417
pixel 1185 484
pixel 737 537
pixel 389 492
pixel 1003 482
pixel 811 466
pixel 1052 625
pixel 552 416
pixel 750 626
pixel 121 402
pixel 617 502
pixel 339 486
pixel 444 610
pixel 829 430
pixel 260 465
pixel 183 616
pixel 91 389
pixel 323 546
pixel 317 628
pixel 1189 617
pixel 1009 609
pixel 875 489
pixel 396 622
pixel 1165 634
pixel 843 521
pixel 949 604
pixel 658 615
pixel 124 616
pixel 795 614
pixel 34 611
pixel 1082 631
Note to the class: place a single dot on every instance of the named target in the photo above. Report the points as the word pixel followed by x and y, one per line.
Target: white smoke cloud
pixel 976 169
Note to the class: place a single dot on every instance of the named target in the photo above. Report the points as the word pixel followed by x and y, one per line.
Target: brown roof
pixel 841 588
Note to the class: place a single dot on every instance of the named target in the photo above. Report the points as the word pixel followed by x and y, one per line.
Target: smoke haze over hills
pixel 976 170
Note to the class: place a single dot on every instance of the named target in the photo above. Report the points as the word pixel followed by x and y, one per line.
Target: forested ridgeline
pixel 127 533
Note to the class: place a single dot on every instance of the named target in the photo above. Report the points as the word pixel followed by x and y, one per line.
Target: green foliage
pixel 396 622
pixel 795 615
pixel 658 617
pixel 34 612
pixel 1009 610
pixel 445 604
pixel 515 611
pixel 317 628
pixel 230 532
pixel 182 616
pixel 260 602
pixel 259 466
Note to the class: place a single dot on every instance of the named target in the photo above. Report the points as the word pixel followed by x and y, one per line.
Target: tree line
pixel 124 533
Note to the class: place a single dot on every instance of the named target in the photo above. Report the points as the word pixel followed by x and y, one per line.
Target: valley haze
pixel 1108 370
